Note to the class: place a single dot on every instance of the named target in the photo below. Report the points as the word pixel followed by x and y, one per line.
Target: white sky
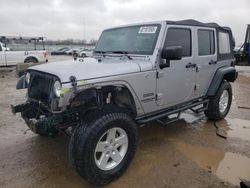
pixel 63 19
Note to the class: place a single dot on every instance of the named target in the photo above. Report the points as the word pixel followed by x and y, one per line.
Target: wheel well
pixel 230 76
pixel 30 57
pixel 97 98
pixel 228 73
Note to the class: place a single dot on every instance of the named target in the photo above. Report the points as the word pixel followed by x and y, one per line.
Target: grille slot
pixel 40 87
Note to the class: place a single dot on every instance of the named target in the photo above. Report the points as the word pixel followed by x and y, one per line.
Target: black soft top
pixel 192 22
pixel 218 29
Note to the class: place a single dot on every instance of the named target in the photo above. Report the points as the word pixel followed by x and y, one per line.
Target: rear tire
pixel 219 105
pixel 86 155
pixel 83 55
pixel 31 60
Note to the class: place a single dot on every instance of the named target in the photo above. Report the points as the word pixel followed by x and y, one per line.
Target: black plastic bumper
pixel 40 120
pixel 18 108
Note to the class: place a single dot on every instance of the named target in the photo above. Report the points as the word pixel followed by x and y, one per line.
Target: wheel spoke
pixel 103 160
pixel 121 140
pixel 107 156
pixel 100 147
pixel 223 103
pixel 116 156
pixel 111 135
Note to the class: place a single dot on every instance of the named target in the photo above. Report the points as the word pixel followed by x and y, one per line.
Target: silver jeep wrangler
pixel 138 74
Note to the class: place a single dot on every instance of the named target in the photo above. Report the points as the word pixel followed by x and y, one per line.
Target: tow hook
pixel 73 83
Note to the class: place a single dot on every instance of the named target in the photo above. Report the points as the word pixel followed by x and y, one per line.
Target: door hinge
pixel 196 68
pixel 196 87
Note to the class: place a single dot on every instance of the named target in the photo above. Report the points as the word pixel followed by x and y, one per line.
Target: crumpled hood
pixel 89 68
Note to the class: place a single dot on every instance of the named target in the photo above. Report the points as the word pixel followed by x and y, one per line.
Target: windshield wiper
pixel 122 52
pixel 100 52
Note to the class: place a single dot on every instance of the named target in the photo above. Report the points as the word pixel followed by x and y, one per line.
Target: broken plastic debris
pixel 220 131
pixel 244 107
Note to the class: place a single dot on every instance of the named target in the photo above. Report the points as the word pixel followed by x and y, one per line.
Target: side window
pixel 224 43
pixel 0 48
pixel 206 42
pixel 179 37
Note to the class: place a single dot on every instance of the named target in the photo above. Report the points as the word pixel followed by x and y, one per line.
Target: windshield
pixel 134 40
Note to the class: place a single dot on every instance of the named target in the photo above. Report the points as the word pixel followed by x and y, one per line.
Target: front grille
pixel 40 86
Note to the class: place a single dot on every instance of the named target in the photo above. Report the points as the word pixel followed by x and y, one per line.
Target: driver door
pixel 175 84
pixel 2 57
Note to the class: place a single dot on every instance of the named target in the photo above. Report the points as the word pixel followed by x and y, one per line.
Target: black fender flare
pixel 224 73
pixel 102 93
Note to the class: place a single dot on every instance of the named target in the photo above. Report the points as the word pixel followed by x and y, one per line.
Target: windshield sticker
pixel 149 29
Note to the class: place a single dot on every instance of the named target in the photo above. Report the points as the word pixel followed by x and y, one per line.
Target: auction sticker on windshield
pixel 149 29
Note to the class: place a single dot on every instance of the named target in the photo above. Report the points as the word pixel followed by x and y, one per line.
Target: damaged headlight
pixel 27 78
pixel 57 88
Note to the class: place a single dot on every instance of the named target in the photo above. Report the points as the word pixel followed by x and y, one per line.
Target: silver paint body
pixel 174 85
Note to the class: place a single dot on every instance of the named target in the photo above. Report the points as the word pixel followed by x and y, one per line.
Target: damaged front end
pixel 41 111
pixel 41 121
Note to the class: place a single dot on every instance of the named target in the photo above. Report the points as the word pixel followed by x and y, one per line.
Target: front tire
pixel 219 105
pixel 103 145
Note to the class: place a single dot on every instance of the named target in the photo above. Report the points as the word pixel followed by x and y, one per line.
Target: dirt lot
pixel 187 153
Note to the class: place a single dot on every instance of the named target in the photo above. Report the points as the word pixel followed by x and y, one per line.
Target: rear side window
pixel 206 42
pixel 224 43
pixel 179 37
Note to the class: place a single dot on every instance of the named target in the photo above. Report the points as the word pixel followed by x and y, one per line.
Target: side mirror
pixel 170 53
pixel 21 83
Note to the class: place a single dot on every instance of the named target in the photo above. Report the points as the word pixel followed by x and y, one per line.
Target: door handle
pixel 190 65
pixel 212 62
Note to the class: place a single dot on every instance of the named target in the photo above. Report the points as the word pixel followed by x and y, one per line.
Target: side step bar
pixel 171 111
pixel 167 120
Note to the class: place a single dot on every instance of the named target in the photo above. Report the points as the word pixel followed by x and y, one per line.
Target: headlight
pixel 27 77
pixel 57 88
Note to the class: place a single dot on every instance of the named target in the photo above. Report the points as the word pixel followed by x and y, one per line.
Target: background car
pixel 239 54
pixel 60 51
pixel 73 51
pixel 85 53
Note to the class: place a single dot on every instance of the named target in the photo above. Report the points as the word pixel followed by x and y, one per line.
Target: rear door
pixel 206 59
pixel 175 84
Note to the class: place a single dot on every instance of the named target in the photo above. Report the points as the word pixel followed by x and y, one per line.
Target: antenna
pixel 84 29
